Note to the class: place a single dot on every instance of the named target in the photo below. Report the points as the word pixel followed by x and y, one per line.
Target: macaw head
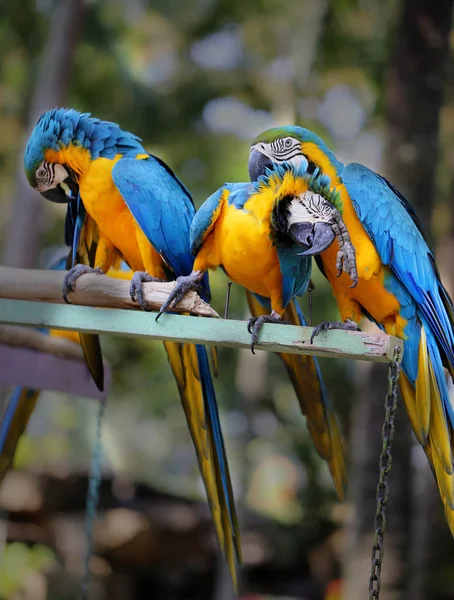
pixel 304 210
pixel 44 159
pixel 295 145
pixel 62 146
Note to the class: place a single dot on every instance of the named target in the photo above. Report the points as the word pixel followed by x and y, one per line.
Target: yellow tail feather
pixel 24 409
pixel 423 401
pixel 321 421
pixel 424 398
pixel 184 363
pixel 215 360
pixel 91 348
pixel 439 433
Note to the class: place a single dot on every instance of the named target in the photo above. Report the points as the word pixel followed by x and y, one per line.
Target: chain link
pixel 384 467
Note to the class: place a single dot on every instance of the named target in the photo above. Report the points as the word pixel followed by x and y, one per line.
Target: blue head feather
pixel 60 127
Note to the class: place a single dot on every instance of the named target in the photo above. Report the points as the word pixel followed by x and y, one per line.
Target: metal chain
pixel 384 467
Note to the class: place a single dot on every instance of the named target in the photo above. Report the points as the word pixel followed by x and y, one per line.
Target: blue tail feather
pixel 212 415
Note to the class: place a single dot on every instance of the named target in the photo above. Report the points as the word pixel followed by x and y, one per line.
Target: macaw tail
pixel 13 423
pixel 190 367
pixel 91 348
pixel 305 375
pixel 430 412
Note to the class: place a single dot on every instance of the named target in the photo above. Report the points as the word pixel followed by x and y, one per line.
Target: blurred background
pixel 198 80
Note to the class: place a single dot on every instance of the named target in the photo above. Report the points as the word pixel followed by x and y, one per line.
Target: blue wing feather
pixel 399 238
pixel 204 219
pixel 161 205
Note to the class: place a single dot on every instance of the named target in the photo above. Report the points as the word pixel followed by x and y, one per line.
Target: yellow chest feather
pixel 106 206
pixel 245 249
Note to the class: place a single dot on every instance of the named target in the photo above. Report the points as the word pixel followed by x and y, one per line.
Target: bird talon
pixel 136 288
pixel 184 284
pixel 250 324
pixel 71 277
pixel 347 325
pixel 255 325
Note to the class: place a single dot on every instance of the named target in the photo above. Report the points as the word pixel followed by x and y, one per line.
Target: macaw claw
pixel 136 288
pixel 184 284
pixel 69 282
pixel 255 324
pixel 348 325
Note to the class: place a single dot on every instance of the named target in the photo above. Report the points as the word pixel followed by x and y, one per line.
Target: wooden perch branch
pixel 92 290
pixel 24 337
pixel 180 328
pixel 38 361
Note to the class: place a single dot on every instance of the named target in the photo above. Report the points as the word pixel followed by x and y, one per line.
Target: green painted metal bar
pixel 202 330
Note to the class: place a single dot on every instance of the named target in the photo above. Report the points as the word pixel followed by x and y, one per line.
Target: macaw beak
pixel 258 163
pixel 56 194
pixel 313 237
pixel 63 192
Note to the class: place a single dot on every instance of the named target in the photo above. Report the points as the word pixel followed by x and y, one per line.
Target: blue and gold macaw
pixel 263 235
pixel 399 286
pixel 22 403
pixel 126 204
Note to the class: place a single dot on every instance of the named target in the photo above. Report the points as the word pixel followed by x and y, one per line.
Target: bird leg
pixel 255 324
pixel 136 287
pixel 184 284
pixel 72 276
pixel 348 325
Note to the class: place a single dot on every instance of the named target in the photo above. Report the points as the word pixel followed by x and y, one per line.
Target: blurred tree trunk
pixel 414 96
pixel 416 78
pixel 52 83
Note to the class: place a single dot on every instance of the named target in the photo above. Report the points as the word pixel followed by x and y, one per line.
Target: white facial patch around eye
pixel 284 149
pixel 309 207
pixel 52 175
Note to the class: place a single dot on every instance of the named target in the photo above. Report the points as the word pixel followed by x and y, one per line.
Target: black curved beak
pixel 56 194
pixel 314 238
pixel 258 163
pixel 59 195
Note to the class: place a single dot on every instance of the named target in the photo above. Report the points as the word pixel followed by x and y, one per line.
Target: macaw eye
pixel 288 142
pixel 41 173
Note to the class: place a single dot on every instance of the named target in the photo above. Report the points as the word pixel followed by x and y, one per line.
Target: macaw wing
pixel 206 216
pixel 162 207
pixel 398 236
